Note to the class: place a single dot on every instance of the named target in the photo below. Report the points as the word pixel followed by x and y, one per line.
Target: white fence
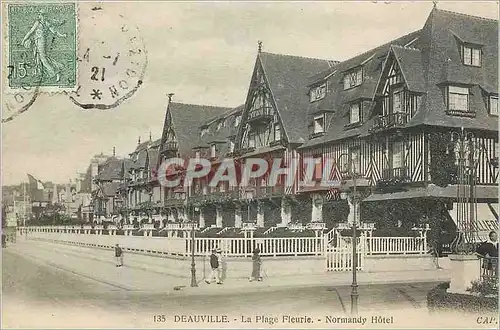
pixel 338 258
pixel 341 258
pixel 272 246
pixel 396 245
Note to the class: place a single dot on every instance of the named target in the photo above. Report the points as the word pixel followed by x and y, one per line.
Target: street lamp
pixel 467 153
pixel 194 283
pixel 354 285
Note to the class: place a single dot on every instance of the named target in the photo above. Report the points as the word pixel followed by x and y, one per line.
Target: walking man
pixel 118 255
pixel 215 265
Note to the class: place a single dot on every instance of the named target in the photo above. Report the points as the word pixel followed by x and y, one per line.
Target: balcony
pixel 215 197
pixel 260 115
pixel 269 192
pixel 393 177
pixel 392 120
pixel 171 146
pixel 174 202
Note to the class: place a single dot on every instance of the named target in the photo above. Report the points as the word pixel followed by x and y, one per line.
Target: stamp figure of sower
pixel 42 44
pixel 37 39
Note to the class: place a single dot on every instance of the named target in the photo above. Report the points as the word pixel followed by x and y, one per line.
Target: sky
pixel 204 53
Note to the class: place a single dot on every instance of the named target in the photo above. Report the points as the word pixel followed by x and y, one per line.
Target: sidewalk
pixel 143 273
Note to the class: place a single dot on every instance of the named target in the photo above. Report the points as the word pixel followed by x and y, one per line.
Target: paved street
pixel 45 287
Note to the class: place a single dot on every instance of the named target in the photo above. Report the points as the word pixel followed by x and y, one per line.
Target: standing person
pixel 215 265
pixel 256 264
pixel 489 251
pixel 118 255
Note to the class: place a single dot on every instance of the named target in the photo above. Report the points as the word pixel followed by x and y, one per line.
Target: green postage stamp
pixel 42 39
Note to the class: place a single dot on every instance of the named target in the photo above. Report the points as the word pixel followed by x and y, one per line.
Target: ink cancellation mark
pixel 112 60
pixel 42 39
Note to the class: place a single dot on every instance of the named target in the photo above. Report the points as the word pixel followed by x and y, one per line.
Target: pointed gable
pixel 288 77
pixel 183 121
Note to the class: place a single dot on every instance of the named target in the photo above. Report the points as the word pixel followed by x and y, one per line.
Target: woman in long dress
pixel 37 35
pixel 256 264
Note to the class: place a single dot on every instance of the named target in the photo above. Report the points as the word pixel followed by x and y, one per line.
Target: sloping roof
pixel 288 77
pixel 221 128
pixel 110 188
pixel 433 61
pixel 111 169
pixel 186 120
pixel 337 99
pixel 445 32
pixel 410 62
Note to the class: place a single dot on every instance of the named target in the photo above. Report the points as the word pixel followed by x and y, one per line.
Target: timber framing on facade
pixel 387 115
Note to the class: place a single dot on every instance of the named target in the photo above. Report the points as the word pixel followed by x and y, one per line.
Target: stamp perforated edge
pixel 6 89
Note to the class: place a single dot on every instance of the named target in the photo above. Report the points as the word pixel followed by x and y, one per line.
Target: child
pixel 256 264
pixel 215 265
pixel 118 256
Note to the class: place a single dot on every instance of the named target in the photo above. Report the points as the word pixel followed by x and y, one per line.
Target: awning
pixel 486 221
pixel 483 193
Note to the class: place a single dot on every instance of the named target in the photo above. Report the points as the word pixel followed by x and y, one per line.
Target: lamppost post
pixel 354 284
pixel 194 283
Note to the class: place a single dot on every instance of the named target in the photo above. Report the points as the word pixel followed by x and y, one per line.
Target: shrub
pixel 439 300
pixel 485 287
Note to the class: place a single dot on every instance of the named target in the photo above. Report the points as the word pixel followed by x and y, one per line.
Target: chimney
pixel 114 152
pixel 170 97
pixel 150 137
pixel 260 46
pixel 139 141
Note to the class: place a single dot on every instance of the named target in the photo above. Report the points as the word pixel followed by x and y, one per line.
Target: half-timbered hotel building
pixel 391 117
pixel 392 110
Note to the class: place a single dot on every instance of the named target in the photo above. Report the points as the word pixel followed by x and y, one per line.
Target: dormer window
pixel 471 55
pixel 204 132
pixel 231 146
pixel 353 78
pixel 319 124
pixel 317 93
pixel 355 113
pixel 220 125
pixel 213 150
pixel 493 105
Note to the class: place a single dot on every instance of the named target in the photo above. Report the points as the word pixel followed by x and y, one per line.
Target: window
pixel 197 154
pixel 354 159
pixel 318 167
pixel 397 104
pixel 213 150
pixel 353 78
pixel 220 125
pixel 471 55
pixel 355 113
pixel 494 105
pixel 277 132
pixel 251 140
pixel 317 93
pixel 397 154
pixel 231 146
pixel 458 98
pixel 319 124
pixel 204 131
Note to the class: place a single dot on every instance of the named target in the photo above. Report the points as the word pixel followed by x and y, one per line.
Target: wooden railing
pixel 396 245
pixel 395 173
pixel 261 113
pixel 397 119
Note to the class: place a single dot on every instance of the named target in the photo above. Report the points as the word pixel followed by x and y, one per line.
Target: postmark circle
pixel 18 102
pixel 112 60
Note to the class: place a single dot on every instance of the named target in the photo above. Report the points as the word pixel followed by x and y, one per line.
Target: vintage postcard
pixel 224 164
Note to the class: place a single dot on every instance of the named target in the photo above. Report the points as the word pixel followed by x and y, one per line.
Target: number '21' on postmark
pixel 42 39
